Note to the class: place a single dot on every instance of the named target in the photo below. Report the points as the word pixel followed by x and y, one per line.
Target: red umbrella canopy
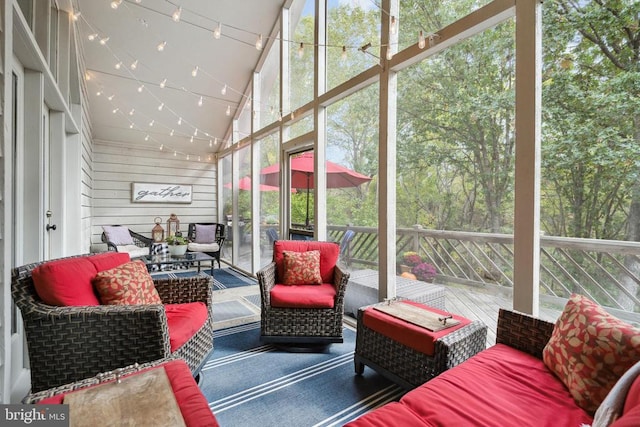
pixel 302 174
pixel 245 184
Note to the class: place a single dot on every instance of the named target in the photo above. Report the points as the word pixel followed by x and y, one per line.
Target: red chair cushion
pixel 193 405
pixel 184 320
pixel 303 296
pixel 108 260
pixel 329 253
pixel 408 334
pixel 66 282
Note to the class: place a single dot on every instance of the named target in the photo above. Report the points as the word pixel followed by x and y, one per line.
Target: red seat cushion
pixel 303 296
pixel 66 282
pixel 329 253
pixel 193 405
pixel 392 414
pixel 500 386
pixel 184 320
pixel 408 334
pixel 108 260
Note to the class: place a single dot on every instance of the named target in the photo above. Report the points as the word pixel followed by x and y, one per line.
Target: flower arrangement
pixel 424 271
pixel 177 240
pixel 411 259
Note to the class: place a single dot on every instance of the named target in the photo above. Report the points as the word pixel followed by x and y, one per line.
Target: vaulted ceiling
pixel 134 49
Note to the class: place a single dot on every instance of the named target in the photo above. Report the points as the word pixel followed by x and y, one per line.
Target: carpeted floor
pixel 251 384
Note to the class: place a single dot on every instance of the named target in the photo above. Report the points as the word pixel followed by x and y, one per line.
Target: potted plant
pixel 424 271
pixel 177 245
pixel 408 260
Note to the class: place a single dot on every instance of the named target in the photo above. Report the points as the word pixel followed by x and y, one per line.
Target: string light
pixel 421 41
pixel 389 53
pixel 187 157
pixel 151 123
pixel 200 102
pixel 131 126
pixel 76 16
pixel 393 27
pixel 146 137
pixel 140 88
pixel 301 50
pixel 115 110
pixel 223 91
pixel 115 4
pixel 198 158
pixel 110 97
pixel 118 65
pixel 163 83
pixel 179 121
pixel 87 76
pixel 132 111
pixel 161 106
pixel 134 65
pixel 98 93
pixel 343 55
pixel 215 141
pixel 104 40
pixel 161 46
pixel 191 139
pixel 176 14
pixel 259 42
pixel 161 147
pixel 92 37
pixel 218 31
pixel 195 132
pixel 175 153
pixel 210 143
pixel 228 112
pixel 171 133
pixel 194 72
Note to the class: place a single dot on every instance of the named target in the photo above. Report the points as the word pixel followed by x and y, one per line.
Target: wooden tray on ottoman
pixel 410 368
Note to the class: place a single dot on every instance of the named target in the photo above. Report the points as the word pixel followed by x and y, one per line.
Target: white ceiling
pixel 135 29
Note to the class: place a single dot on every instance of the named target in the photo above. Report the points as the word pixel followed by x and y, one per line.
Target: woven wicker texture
pixel 299 323
pixel 523 332
pixel 410 368
pixel 67 344
pixel 139 240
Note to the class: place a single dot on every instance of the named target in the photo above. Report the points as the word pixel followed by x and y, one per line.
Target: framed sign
pixel 144 192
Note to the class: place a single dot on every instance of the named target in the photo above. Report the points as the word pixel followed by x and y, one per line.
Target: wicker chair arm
pixel 523 332
pixel 266 281
pixel 140 240
pixel 340 281
pixel 185 289
pixel 83 341
pixel 460 345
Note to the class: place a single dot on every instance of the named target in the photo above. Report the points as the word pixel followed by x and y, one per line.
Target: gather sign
pixel 160 193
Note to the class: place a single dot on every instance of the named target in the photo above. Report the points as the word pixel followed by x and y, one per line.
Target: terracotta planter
pixel 405 269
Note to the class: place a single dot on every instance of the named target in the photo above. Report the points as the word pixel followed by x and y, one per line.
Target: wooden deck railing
pixel 607 271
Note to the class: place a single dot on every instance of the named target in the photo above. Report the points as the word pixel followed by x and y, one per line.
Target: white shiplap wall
pixel 116 167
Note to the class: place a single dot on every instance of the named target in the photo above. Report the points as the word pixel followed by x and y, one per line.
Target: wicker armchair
pixel 67 344
pixel 139 241
pixel 210 248
pixel 301 325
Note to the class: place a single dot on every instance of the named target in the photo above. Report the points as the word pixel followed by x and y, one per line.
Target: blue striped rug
pixel 251 384
pixel 223 278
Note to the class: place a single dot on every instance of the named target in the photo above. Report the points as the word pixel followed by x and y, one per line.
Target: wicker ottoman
pixel 407 366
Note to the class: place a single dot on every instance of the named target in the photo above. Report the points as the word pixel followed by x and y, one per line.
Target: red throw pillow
pixel 301 268
pixel 65 282
pixel 127 284
pixel 590 350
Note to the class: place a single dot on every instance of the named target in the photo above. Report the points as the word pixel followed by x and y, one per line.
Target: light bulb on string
pixel 198 158
pixel 115 4
pixel 194 72
pixel 104 40
pixel 187 157
pixel 98 93
pixel 343 55
pixel 171 133
pixel 259 42
pixel 92 37
pixel 228 112
pixel 210 143
pixel 131 126
pixel 301 50
pixel 195 132
pixel 146 137
pixel 76 16
pixel 161 106
pixel 200 102
pixel 163 83
pixel 118 65
pixel 151 123
pixel 218 31
pixel 110 97
pixel 161 147
pixel 389 53
pixel 140 88
pixel 115 110
pixel 132 111
pixel 215 141
pixel 179 121
pixel 161 46
pixel 134 65
pixel 191 139
pixel 421 41
pixel 223 91
pixel 393 27
pixel 87 76
pixel 175 153
pixel 176 14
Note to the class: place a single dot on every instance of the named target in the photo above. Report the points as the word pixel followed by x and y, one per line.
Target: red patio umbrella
pixel 245 184
pixel 302 170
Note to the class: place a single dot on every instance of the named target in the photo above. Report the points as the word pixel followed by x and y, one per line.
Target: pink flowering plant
pixel 411 259
pixel 424 271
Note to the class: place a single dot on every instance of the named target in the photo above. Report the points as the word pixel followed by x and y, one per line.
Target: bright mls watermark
pixel 34 415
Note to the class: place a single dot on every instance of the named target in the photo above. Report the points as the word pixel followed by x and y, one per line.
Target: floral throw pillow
pixel 127 284
pixel 590 350
pixel 301 268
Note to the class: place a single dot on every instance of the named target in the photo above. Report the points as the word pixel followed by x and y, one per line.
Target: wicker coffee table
pixel 408 367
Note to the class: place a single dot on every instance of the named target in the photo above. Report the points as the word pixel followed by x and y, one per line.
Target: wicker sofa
pixel 74 342
pixel 507 384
